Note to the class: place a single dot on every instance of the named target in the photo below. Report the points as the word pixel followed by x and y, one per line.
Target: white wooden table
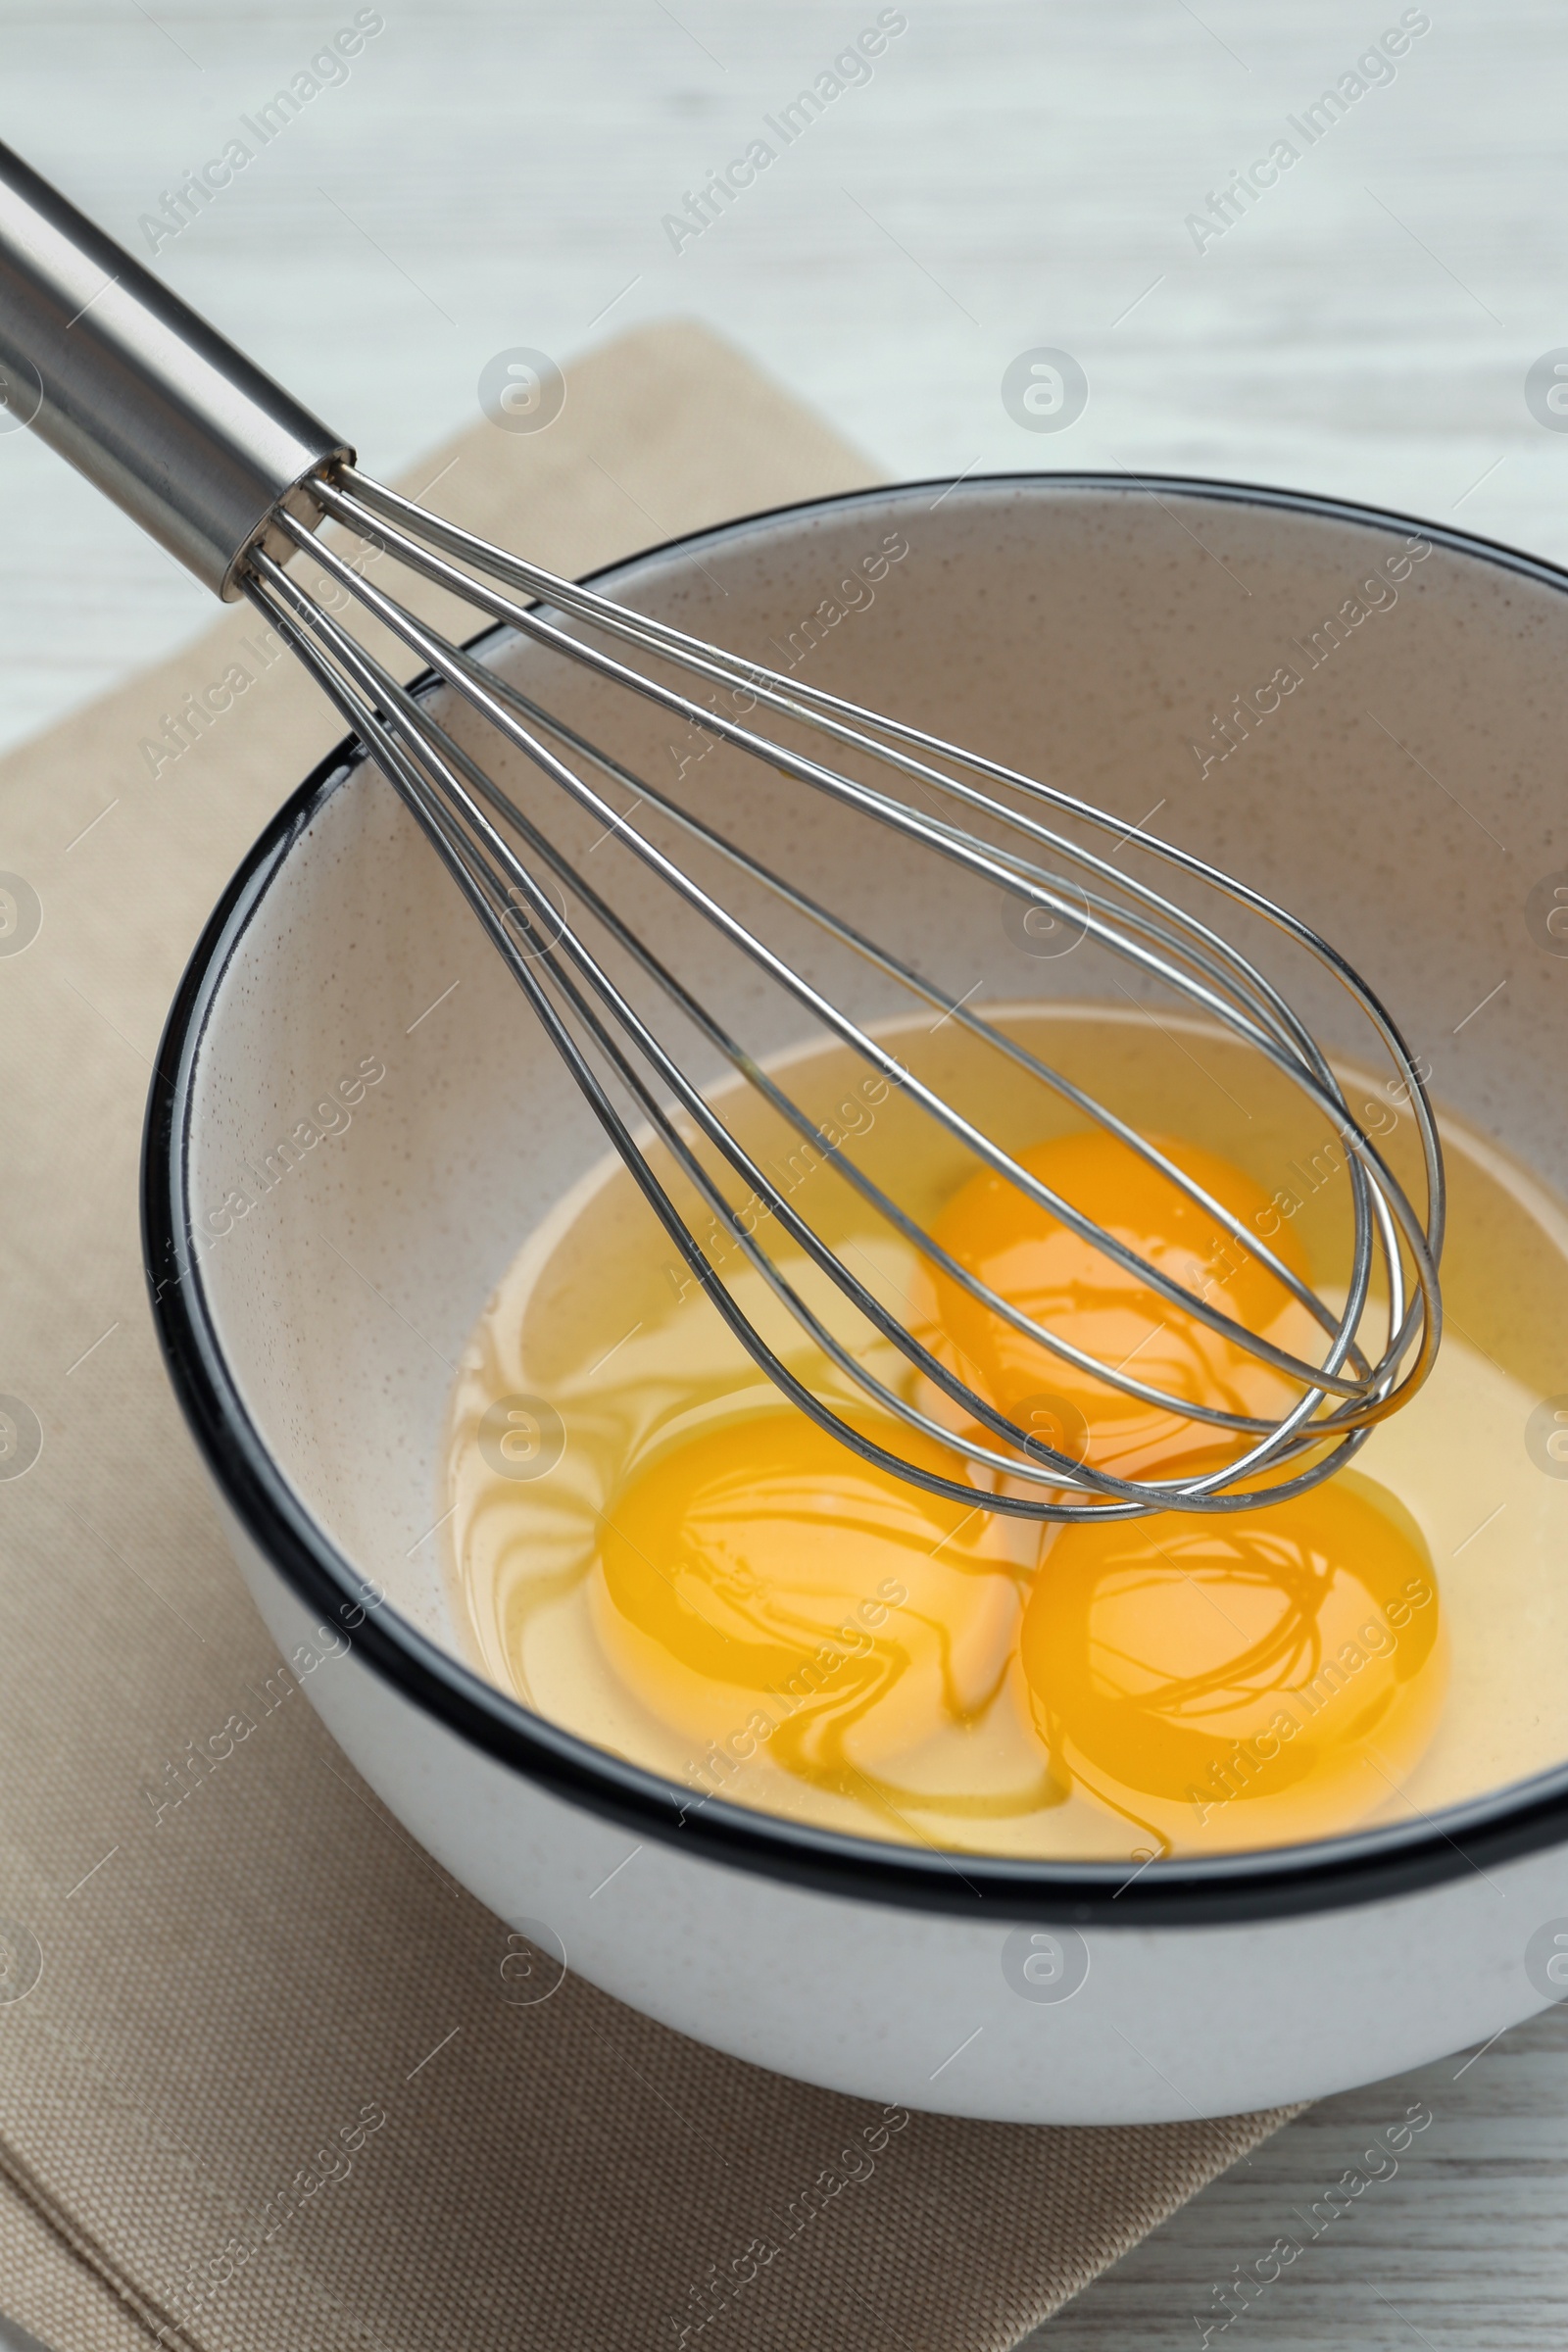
pixel 1014 176
pixel 1016 173
pixel 1465 2248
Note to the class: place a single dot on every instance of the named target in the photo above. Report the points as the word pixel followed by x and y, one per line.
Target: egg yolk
pixel 1034 1261
pixel 761 1587
pixel 1241 1681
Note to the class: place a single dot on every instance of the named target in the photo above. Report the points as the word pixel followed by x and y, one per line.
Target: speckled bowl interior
pixel 378 1123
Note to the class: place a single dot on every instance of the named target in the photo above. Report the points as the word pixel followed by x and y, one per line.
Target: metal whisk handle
pixel 141 395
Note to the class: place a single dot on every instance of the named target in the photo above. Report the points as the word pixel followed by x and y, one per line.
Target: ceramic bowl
pixel 357 1123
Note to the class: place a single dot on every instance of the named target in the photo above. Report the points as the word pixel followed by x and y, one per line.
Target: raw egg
pixel 1035 1263
pixel 761 1587
pixel 1251 1679
pixel 708 1584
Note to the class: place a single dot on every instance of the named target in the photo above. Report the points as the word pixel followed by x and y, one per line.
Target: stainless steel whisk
pixel 233 478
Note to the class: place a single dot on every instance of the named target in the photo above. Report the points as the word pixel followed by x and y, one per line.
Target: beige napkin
pixel 261 2083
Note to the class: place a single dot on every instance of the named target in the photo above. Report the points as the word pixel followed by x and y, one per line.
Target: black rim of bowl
pixel 1201 1889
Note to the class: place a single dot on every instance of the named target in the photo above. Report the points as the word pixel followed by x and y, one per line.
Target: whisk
pixel 234 477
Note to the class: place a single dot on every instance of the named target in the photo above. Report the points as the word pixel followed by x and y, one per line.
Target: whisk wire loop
pixel 586 1014
pixel 395 726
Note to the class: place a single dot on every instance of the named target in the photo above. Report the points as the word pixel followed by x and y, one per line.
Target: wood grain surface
pixel 1463 2247
pixel 497 174
pixel 1016 175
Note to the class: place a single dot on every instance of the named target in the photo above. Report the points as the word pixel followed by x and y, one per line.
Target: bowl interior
pixel 377 1123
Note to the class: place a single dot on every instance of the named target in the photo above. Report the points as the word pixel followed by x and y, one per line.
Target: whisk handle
pixel 140 394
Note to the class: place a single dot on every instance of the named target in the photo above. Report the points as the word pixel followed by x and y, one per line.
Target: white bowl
pixel 317 1270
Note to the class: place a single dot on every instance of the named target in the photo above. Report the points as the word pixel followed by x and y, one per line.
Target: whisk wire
pixel 479 690
pixel 468 680
pixel 366 506
pixel 1118 1377
pixel 393 709
pixel 377 720
pixel 441 782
